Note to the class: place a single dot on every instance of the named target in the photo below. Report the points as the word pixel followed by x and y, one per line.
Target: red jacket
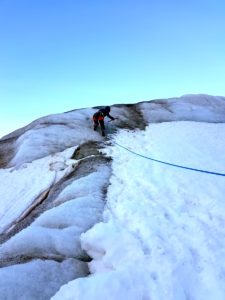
pixel 101 114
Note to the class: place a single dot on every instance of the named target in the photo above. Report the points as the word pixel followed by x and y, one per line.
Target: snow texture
pixel 38 279
pixel 161 235
pixel 21 186
pixel 200 108
pixel 56 233
pixel 53 134
pixel 163 229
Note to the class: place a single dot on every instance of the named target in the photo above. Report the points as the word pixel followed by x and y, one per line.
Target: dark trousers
pixel 99 122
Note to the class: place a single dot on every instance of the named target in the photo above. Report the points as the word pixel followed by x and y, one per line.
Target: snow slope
pixel 163 230
pixel 100 222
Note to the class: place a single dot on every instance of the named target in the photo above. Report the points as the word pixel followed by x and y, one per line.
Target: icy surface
pixel 56 233
pixel 54 133
pixel 20 187
pixel 201 108
pixel 38 279
pixel 163 230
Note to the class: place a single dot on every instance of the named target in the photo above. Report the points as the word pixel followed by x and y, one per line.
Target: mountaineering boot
pixel 95 127
pixel 103 132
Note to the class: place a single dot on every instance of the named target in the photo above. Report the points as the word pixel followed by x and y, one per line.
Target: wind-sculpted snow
pixel 200 108
pixel 56 233
pixel 51 243
pixel 22 186
pixel 54 134
pixel 161 234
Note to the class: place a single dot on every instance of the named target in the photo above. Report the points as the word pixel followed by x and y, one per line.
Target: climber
pixel 99 116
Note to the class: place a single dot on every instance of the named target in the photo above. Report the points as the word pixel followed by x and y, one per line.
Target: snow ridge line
pixel 170 164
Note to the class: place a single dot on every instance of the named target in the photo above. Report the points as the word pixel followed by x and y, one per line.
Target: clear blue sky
pixel 61 55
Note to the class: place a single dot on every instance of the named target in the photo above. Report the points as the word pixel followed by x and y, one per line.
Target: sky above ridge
pixel 56 55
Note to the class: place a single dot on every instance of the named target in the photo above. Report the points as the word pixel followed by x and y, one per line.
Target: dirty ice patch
pixel 163 230
pixel 20 187
pixel 38 279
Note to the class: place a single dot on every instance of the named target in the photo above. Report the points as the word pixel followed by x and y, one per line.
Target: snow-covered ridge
pixel 72 203
pixel 55 133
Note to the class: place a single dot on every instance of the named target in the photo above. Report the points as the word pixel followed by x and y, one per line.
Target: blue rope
pixel 169 164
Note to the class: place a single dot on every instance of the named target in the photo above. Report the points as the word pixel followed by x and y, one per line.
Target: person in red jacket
pixel 98 118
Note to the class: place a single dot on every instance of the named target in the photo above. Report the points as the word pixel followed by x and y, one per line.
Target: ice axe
pixel 113 119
